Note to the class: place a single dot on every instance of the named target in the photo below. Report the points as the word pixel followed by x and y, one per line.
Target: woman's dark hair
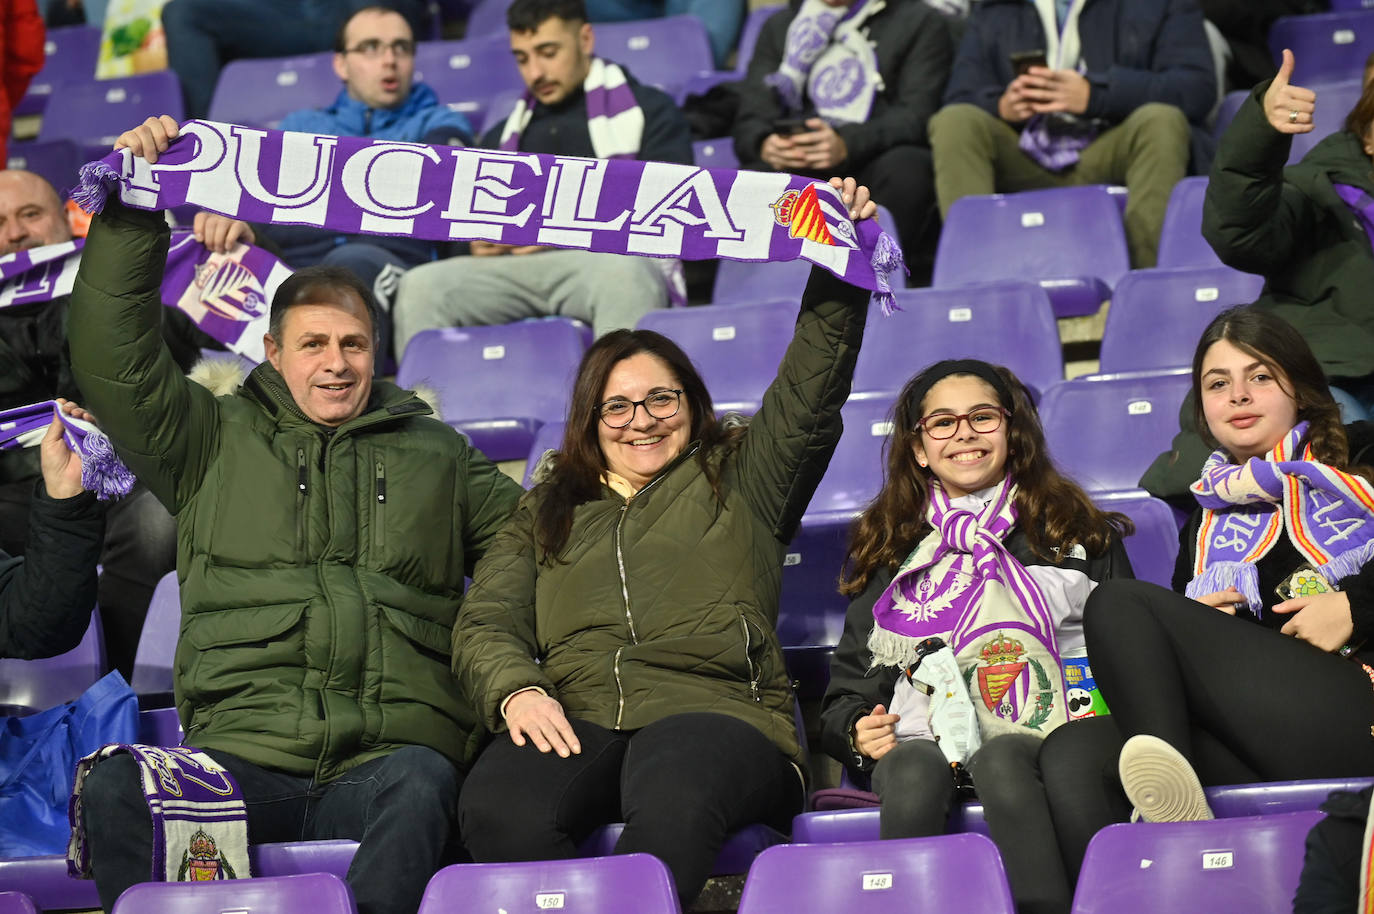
pixel 576 475
pixel 1054 512
pixel 1362 115
pixel 1275 342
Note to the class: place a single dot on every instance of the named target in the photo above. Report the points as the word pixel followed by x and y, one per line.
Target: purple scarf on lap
pixel 225 295
pixel 102 472
pixel 354 185
pixel 200 824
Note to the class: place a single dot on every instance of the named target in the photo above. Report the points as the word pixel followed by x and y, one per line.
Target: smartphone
pixel 1021 61
pixel 787 126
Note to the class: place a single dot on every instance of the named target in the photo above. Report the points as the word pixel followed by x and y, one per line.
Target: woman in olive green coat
pixel 619 636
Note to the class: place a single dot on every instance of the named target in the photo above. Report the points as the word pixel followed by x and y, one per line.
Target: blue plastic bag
pixel 38 756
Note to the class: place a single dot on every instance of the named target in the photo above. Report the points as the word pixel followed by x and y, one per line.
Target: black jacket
pixel 915 47
pixel 1330 882
pixel 562 129
pixel 46 598
pixel 854 690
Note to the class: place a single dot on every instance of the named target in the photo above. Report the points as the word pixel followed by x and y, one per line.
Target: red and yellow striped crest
pixel 801 212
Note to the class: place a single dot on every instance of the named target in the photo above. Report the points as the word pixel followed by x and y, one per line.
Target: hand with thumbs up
pixel 1288 107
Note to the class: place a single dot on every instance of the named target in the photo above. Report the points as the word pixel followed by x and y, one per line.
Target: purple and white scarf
pixel 1360 203
pixel 828 59
pixel 962 585
pixel 614 118
pixel 1056 141
pixel 1327 514
pixel 354 185
pixel 225 295
pixel 200 824
pixel 102 472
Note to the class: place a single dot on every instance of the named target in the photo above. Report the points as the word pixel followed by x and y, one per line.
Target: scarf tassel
pixel 102 472
pixel 890 649
pixel 1223 575
pixel 97 178
pixel 1348 563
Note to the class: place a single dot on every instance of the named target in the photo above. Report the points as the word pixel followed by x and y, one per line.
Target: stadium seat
pixel 715 153
pixel 548 438
pixel 1226 111
pixel 261 91
pixel 1248 865
pixel 1180 240
pixel 740 281
pixel 944 873
pixel 57 161
pixel 1335 100
pixel 736 854
pixel 70 55
pixel 749 35
pixel 1326 46
pixel 1158 315
pixel 1070 240
pixel 1009 322
pixel 735 349
pixel 1153 547
pixel 151 678
pixel 1338 6
pixel 488 17
pixel 626 884
pixel 27 686
pixel 95 113
pixel 843 814
pixel 665 53
pixel 1103 431
pixel 16 903
pixel 319 893
pixel 159 727
pixel 497 384
pixel 467 75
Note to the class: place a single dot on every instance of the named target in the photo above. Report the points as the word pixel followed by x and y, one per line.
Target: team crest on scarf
pixel 227 288
pixel 203 861
pixel 803 215
pixel 1004 671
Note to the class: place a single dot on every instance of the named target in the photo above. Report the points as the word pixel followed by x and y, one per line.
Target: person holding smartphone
pixel 846 86
pixel 1047 94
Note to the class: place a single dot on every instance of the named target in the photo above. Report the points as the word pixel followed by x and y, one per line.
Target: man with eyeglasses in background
pixel 374 56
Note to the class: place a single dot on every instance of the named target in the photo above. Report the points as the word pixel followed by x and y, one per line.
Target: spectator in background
pixel 374 56
pixel 1054 94
pixel 722 18
pixel 847 86
pixel 46 598
pixel 1308 229
pixel 568 92
pixel 21 57
pixel 140 536
pixel 1245 26
pixel 204 35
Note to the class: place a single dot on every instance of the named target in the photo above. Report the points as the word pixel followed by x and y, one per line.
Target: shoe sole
pixel 1160 782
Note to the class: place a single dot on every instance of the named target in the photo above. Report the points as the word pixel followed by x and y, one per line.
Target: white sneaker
pixel 1160 782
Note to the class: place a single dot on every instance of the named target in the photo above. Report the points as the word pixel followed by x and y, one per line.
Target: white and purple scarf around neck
pixel 828 59
pixel 379 187
pixel 225 295
pixel 962 585
pixel 614 119
pixel 1328 516
pixel 102 472
pixel 200 823
pixel 1056 141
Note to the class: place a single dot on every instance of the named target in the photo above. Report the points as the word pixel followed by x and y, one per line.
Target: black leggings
pixel 1241 702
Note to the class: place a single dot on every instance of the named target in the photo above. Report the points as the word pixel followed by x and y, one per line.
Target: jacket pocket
pixel 248 660
pixel 415 663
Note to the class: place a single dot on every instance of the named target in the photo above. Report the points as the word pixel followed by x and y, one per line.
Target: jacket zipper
pixel 624 581
pixel 620 692
pixel 379 510
pixel 749 659
pixel 302 490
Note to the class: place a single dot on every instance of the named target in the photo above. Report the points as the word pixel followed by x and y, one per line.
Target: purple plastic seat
pixel 1277 796
pixel 467 74
pixel 1180 240
pixel 159 727
pixel 1326 46
pixel 1337 98
pixel 625 884
pixel 497 384
pixel 16 903
pixel 1157 315
pixel 1248 865
pixel 27 686
pixel 260 91
pixel 749 35
pixel 548 438
pixel 1070 240
pixel 70 55
pixel 715 153
pixel 1154 545
pixel 151 679
pixel 56 160
pixel 736 854
pixel 1226 111
pixel 735 349
pixel 665 52
pixel 290 858
pixel 740 281
pixel 318 893
pixel 1103 431
pixel 488 17
pixel 811 609
pixel 944 873
pixel 95 113
pixel 1010 323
